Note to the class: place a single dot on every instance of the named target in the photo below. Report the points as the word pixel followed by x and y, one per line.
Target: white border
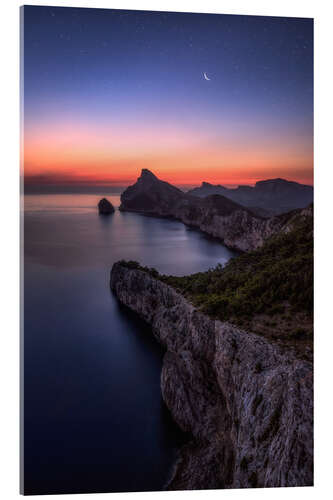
pixel 322 11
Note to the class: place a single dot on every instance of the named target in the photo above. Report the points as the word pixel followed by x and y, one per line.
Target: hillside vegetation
pixel 268 290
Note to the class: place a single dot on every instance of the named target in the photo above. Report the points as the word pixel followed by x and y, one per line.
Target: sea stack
pixel 105 207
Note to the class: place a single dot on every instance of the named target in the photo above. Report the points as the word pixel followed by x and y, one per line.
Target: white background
pixel 9 237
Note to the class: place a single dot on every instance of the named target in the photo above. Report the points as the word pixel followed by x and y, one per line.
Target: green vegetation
pixel 269 290
pixel 133 264
pixel 265 281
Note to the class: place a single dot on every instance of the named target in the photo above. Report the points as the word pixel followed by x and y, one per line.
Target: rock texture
pixel 105 207
pixel 235 225
pixel 272 196
pixel 246 403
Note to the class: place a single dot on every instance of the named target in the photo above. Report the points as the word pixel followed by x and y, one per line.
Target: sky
pixel 109 92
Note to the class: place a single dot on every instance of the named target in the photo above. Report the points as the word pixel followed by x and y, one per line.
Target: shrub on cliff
pixel 268 290
pixel 258 282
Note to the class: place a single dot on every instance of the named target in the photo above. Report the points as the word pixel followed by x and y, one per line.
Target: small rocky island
pixel 105 207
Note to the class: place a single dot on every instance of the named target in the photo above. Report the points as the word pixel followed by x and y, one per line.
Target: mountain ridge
pixel 274 195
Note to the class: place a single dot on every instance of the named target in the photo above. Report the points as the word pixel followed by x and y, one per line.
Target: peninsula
pixel 237 373
pixel 237 226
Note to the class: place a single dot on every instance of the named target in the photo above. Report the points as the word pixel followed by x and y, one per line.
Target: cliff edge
pixel 246 402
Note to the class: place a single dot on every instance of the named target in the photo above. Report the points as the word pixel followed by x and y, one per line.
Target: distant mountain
pixel 237 226
pixel 156 197
pixel 268 197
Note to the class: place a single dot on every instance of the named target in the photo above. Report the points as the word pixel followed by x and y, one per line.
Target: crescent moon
pixel 206 77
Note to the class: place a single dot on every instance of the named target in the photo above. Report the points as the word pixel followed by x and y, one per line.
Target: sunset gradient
pixel 107 93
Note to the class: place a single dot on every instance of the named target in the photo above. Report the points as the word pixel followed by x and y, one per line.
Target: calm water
pixel 94 417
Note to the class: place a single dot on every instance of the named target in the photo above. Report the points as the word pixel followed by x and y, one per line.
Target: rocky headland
pixel 237 226
pixel 245 402
pixel 237 374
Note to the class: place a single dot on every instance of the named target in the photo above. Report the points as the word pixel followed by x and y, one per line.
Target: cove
pixel 94 420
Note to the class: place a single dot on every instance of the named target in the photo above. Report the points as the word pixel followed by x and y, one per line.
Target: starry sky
pixel 108 92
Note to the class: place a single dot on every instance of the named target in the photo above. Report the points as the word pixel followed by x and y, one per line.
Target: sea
pixel 94 419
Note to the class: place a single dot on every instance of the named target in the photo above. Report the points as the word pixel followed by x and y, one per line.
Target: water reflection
pixel 94 418
pixel 66 239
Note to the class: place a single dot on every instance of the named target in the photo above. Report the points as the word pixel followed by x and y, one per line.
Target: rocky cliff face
pixel 272 195
pixel 245 402
pixel 105 207
pixel 215 215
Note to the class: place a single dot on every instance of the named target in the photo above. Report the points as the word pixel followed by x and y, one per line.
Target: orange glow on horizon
pixel 76 153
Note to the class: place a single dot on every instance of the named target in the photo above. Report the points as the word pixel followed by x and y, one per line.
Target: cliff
pixel 246 402
pixel 237 226
pixel 268 291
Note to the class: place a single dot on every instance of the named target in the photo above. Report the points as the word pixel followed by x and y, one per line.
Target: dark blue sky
pixel 137 78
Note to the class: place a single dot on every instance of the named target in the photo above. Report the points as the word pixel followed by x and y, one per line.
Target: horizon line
pixel 86 187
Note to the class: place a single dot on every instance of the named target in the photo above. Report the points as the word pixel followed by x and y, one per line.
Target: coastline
pixel 245 402
pixel 193 227
pixel 237 226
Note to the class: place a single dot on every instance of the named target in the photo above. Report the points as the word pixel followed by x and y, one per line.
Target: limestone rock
pixel 246 403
